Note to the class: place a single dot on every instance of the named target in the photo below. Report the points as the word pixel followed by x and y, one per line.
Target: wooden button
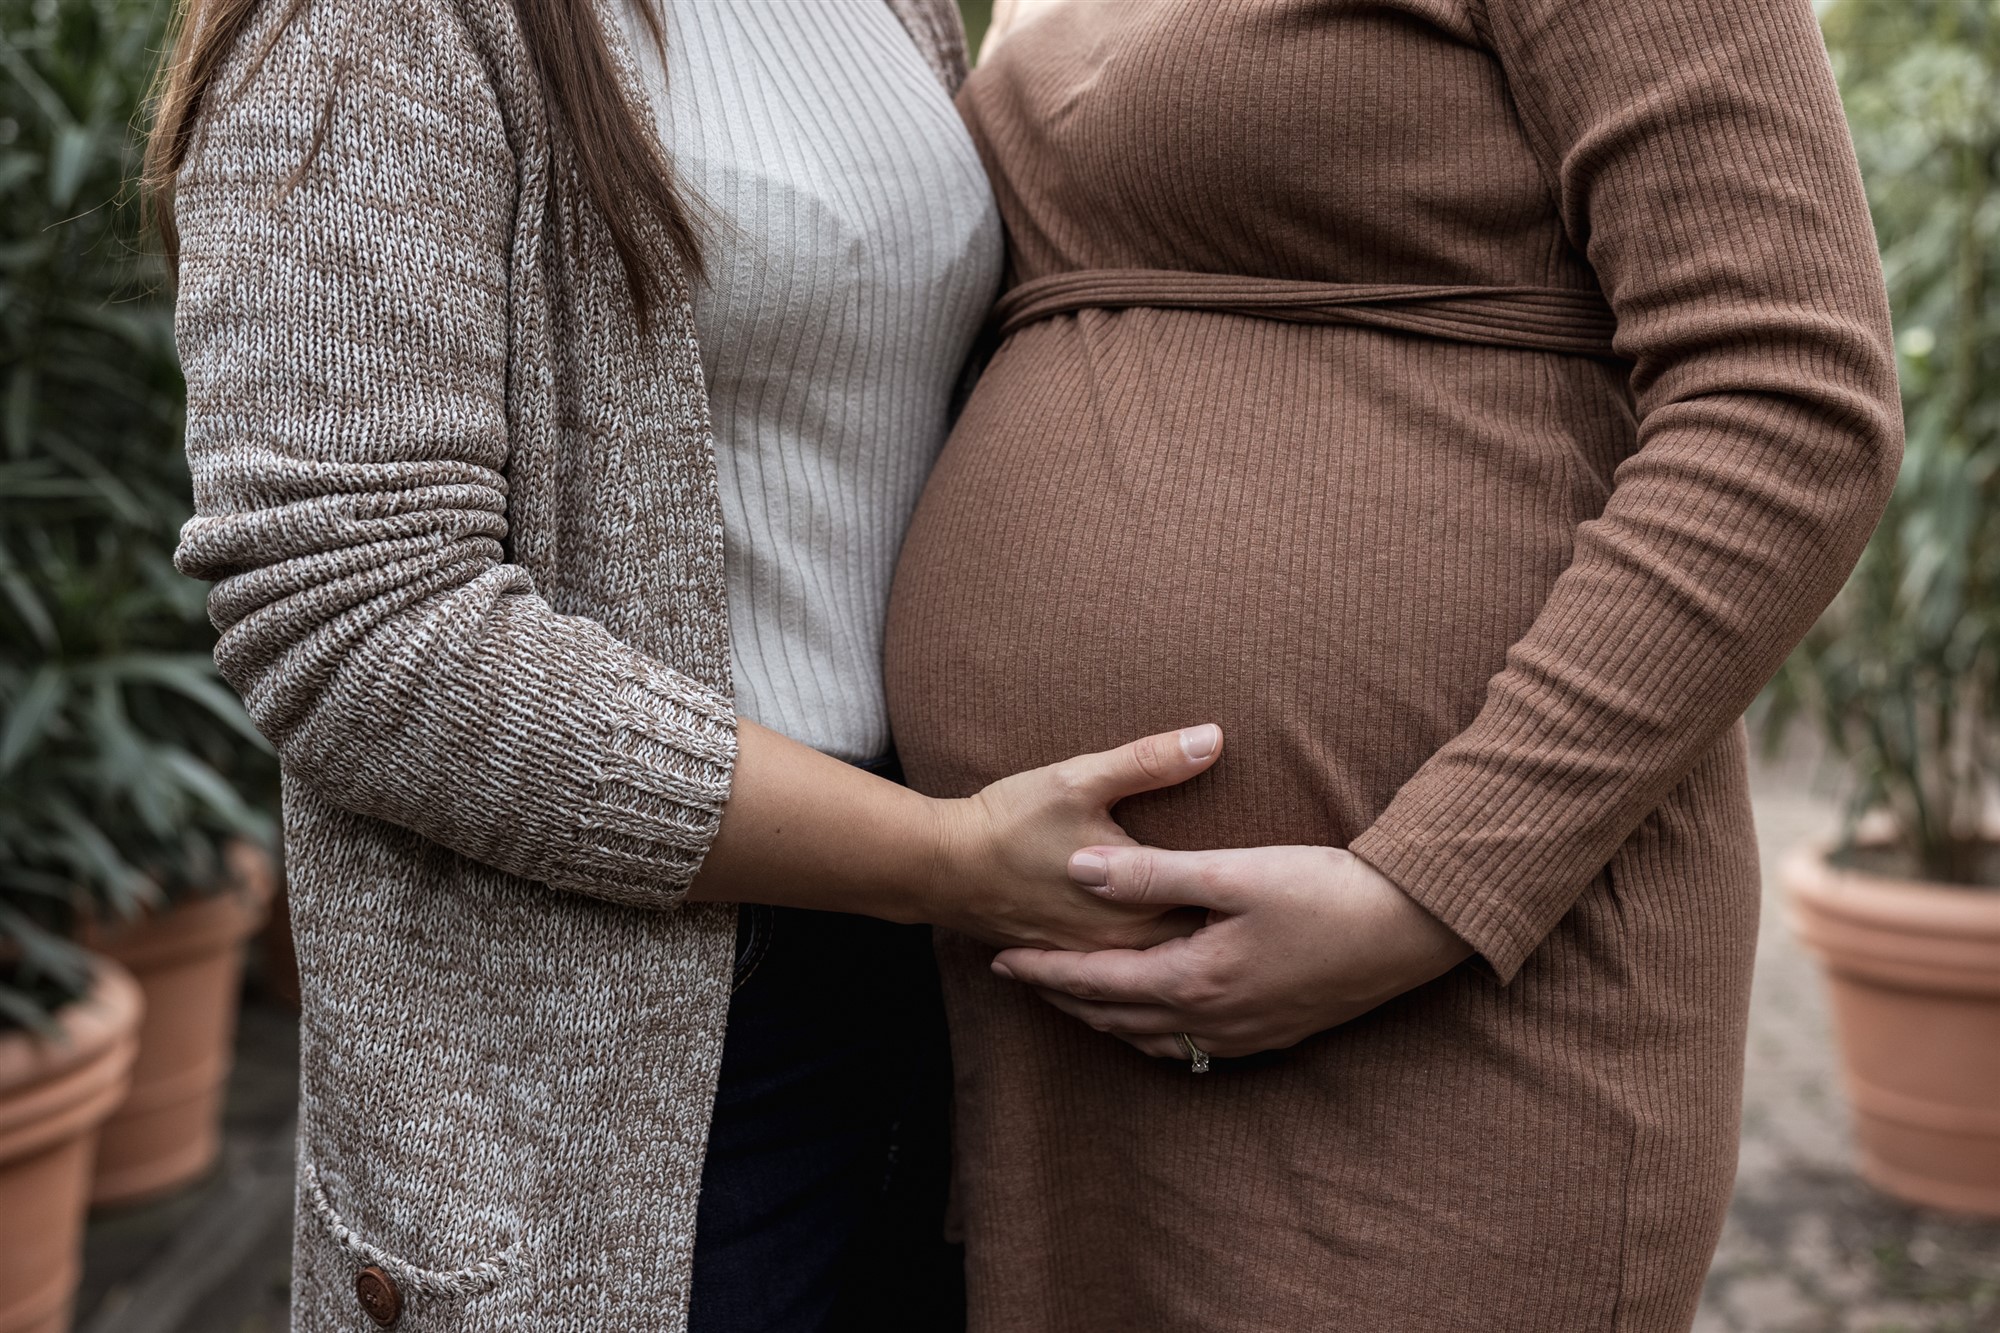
pixel 378 1295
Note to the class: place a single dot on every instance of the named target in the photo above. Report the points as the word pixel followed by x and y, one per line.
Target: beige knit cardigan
pixel 461 516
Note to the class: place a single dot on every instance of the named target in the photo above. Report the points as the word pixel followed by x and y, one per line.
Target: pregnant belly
pixel 1323 539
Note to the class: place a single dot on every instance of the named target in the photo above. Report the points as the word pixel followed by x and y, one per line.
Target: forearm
pixel 1727 227
pixel 351 442
pixel 803 829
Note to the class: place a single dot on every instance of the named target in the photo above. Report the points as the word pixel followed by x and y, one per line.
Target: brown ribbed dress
pixel 1477 597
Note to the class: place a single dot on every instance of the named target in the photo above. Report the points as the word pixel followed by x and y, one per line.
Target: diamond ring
pixel 1197 1057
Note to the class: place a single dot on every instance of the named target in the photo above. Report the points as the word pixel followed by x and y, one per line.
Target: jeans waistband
pixel 888 766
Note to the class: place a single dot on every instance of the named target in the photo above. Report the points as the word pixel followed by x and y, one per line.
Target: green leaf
pixel 39 92
pixel 20 408
pixel 15 168
pixel 21 596
pixel 195 679
pixel 213 789
pixel 75 146
pixel 97 855
pixel 31 714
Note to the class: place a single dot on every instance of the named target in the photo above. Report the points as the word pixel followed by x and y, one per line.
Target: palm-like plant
pixel 123 760
pixel 1903 674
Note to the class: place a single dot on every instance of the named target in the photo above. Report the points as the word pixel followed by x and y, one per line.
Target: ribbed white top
pixel 855 251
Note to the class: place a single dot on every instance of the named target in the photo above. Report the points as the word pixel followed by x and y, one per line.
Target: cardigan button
pixel 379 1297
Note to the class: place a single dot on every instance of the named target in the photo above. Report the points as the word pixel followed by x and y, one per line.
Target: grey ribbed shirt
pixel 855 250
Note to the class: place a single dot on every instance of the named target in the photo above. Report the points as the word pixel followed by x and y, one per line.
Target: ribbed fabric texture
pixel 853 252
pixel 1487 615
pixel 461 515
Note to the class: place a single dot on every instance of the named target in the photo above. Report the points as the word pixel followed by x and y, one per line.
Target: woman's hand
pixel 1298 940
pixel 803 829
pixel 1003 875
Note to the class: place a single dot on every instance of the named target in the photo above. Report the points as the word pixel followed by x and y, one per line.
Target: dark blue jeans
pixel 823 1195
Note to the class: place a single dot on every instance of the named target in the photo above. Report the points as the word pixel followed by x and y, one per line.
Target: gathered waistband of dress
pixel 1545 319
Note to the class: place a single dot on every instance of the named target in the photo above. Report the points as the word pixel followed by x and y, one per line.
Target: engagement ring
pixel 1197 1057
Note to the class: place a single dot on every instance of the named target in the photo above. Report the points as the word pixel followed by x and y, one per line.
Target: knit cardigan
pixel 460 511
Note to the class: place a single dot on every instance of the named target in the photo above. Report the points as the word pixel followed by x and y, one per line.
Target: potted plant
pixel 1902 677
pixel 133 790
pixel 66 1048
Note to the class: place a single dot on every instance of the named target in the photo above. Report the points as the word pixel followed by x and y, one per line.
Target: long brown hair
pixel 613 161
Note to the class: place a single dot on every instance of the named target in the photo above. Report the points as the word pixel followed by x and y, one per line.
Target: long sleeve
pixel 1699 157
pixel 348 224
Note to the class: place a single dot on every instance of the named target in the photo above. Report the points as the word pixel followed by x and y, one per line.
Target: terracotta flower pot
pixel 53 1097
pixel 188 959
pixel 1914 971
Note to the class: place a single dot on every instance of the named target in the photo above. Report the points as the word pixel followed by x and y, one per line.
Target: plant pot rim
pixel 53 1090
pixel 99 1019
pixel 191 926
pixel 1897 903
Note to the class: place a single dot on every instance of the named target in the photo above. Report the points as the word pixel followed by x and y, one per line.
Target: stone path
pixel 217 1258
pixel 1807 1249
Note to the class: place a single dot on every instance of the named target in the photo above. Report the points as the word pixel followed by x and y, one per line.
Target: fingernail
pixel 1089 869
pixel 1199 742
pixel 1000 969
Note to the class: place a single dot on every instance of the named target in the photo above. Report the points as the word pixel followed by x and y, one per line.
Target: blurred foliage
pixel 124 762
pixel 977 15
pixel 1902 676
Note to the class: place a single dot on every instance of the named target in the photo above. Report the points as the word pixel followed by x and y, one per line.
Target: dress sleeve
pixel 1700 160
pixel 346 216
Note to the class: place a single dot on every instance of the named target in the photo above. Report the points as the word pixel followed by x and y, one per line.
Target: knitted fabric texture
pixel 461 516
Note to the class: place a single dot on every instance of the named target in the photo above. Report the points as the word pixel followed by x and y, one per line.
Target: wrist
pixel 944 865
pixel 913 886
pixel 1431 947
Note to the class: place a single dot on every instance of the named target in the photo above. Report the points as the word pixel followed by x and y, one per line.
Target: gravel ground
pixel 1807 1248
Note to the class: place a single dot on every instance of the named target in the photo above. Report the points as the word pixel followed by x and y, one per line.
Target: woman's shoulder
pixel 385 77
pixel 433 52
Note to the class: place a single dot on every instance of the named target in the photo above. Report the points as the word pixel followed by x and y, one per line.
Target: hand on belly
pixel 1298 940
pixel 1001 876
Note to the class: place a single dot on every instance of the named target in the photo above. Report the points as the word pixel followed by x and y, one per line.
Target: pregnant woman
pixel 520 474
pixel 1467 403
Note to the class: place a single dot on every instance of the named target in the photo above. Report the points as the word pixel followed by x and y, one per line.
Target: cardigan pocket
pixel 483 1274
